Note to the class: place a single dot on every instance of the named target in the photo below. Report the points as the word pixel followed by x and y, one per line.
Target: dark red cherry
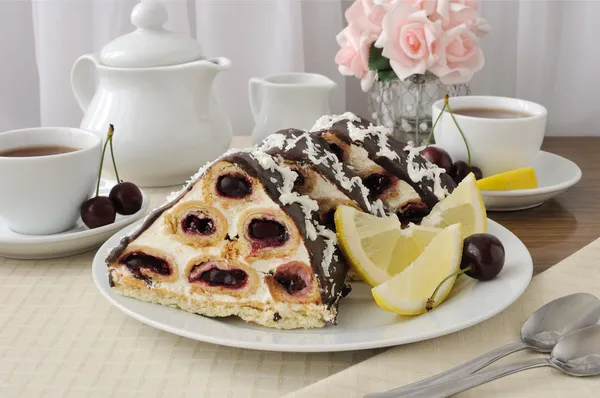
pixel 292 283
pixel 265 229
pixel 198 225
pixel 126 197
pixel 484 253
pixel 232 278
pixel 461 169
pixel 299 181
pixel 477 172
pixel 137 260
pixel 234 186
pixel 337 151
pixel 376 184
pixel 98 211
pixel 437 156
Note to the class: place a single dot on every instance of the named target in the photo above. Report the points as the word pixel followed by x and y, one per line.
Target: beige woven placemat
pixel 405 364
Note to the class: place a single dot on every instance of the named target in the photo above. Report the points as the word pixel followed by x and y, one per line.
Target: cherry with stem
pixel 436 155
pixel 482 259
pixel 99 210
pixel 125 196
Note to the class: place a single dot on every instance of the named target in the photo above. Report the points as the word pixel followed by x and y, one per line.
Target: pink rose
pixel 358 15
pixel 459 55
pixel 353 56
pixel 407 39
pixel 457 12
pixel 460 14
pixel 427 5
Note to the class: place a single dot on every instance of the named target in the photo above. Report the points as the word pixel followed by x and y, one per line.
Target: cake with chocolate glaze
pixel 251 235
pixel 392 171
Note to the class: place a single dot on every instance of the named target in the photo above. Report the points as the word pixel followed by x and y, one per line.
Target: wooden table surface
pixel 565 224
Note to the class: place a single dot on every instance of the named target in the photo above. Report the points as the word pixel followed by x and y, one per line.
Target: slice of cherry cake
pixel 321 175
pixel 394 172
pixel 252 234
pixel 237 240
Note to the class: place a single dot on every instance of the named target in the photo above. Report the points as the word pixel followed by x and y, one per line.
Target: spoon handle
pixel 462 370
pixel 442 390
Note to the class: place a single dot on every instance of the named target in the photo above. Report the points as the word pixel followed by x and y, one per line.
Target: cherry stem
pixel 111 130
pixel 436 122
pixel 447 103
pixel 431 300
pixel 102 162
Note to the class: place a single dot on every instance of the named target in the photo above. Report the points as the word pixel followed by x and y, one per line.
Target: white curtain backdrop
pixel 546 51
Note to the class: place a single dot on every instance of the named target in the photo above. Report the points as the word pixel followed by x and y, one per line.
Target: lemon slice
pixel 524 178
pixel 376 247
pixel 407 293
pixel 464 205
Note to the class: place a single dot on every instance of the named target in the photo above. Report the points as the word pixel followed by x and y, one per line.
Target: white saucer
pixel 361 323
pixel 78 239
pixel 555 175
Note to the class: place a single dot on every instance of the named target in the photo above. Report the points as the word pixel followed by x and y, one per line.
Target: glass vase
pixel 405 106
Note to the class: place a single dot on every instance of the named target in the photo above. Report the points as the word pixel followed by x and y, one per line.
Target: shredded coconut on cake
pixel 432 172
pixel 327 121
pixel 326 158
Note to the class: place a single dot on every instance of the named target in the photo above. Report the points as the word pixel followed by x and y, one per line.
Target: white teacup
pixel 496 144
pixel 43 194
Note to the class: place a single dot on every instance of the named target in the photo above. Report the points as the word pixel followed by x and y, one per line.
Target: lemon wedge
pixel 376 247
pixel 524 178
pixel 408 292
pixel 463 206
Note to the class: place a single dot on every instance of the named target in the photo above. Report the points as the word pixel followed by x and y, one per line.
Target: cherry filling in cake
pixel 337 151
pixel 137 260
pixel 267 233
pixel 234 186
pixel 377 184
pixel 293 278
pixel 198 224
pixel 292 283
pixel 299 181
pixel 328 219
pixel 413 211
pixel 212 275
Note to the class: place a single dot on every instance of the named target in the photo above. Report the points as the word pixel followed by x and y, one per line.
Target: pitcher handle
pixel 254 92
pixel 82 85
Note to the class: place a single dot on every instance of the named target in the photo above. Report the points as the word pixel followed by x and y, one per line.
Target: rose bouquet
pixel 389 39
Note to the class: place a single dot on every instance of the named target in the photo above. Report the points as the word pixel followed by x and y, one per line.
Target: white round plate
pixel 555 175
pixel 361 323
pixel 76 240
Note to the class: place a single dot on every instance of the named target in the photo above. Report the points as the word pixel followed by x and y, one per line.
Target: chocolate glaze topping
pixel 399 167
pixel 320 147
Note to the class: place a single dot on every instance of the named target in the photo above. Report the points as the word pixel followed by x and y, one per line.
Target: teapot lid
pixel 150 44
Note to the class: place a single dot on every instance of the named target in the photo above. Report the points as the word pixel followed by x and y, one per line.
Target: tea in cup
pixel 46 173
pixel 502 133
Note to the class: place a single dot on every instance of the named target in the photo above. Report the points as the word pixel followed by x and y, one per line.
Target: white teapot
pixel 155 87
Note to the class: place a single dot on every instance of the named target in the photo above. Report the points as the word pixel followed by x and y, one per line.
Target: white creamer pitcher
pixel 293 100
pixel 155 87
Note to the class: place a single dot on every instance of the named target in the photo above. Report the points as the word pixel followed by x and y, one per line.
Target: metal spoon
pixel 576 354
pixel 544 328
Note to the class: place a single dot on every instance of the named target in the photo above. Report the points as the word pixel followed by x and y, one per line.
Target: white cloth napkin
pixel 406 364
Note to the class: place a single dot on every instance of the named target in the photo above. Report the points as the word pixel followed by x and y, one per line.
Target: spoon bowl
pixel 578 353
pixel 551 322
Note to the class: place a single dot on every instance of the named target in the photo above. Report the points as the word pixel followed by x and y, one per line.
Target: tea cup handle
pixel 82 81
pixel 254 85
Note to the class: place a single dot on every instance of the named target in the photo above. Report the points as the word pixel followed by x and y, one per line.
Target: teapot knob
pixel 149 14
